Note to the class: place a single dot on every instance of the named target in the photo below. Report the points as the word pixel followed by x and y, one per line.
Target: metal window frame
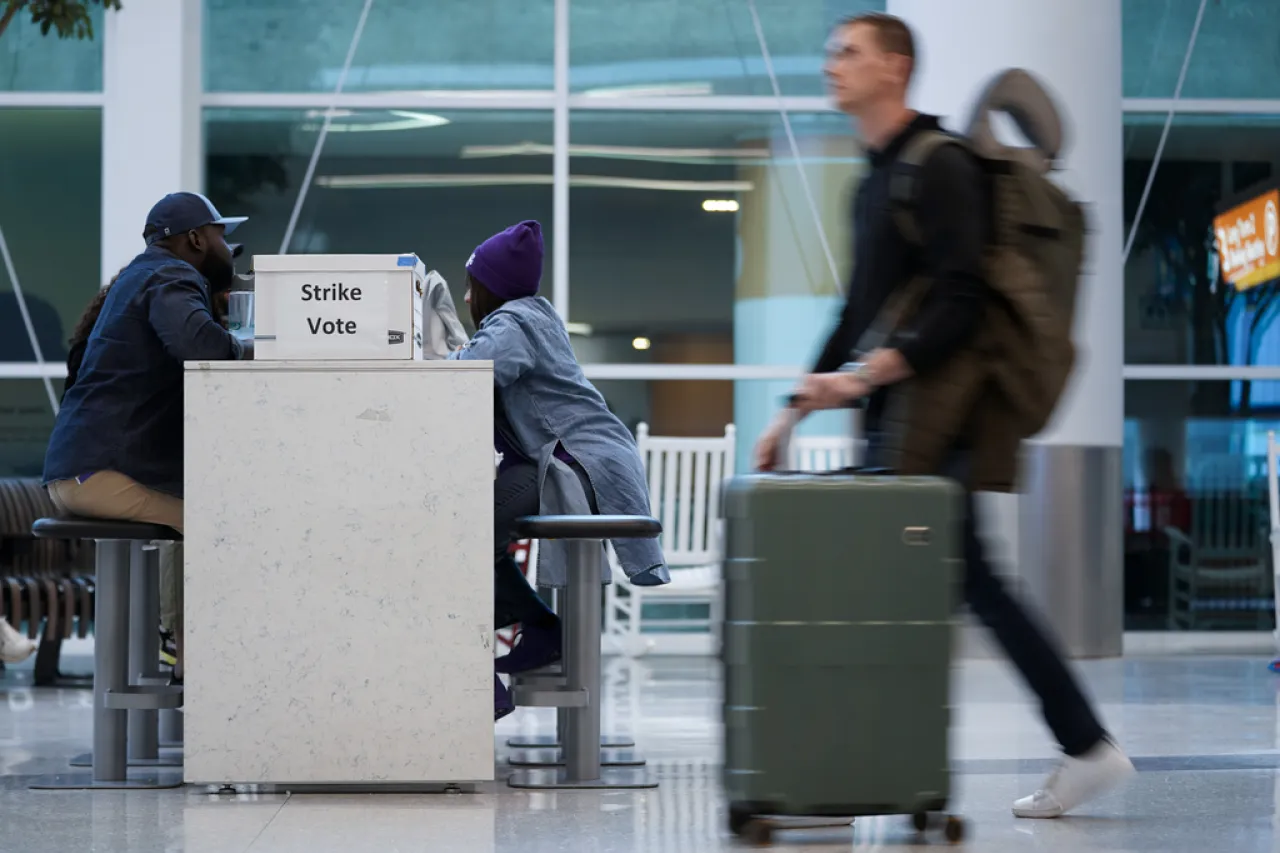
pixel 561 102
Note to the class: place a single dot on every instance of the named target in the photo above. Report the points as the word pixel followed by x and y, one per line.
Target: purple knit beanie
pixel 509 264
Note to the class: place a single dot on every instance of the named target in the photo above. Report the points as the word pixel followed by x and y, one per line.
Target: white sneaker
pixel 1076 781
pixel 14 648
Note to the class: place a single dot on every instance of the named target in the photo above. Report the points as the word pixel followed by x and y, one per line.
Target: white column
pixel 1073 561
pixel 152 135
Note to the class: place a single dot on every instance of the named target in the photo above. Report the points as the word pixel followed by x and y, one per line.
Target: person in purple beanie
pixel 563 451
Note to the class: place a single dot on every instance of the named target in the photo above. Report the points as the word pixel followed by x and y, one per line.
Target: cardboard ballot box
pixel 337 307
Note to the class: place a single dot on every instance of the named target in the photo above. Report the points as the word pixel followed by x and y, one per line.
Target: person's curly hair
pixel 84 326
pixel 79 340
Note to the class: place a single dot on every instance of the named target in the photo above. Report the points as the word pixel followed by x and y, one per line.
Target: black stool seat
pixel 588 527
pixel 102 529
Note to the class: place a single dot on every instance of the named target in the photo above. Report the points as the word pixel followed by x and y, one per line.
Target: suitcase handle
pixel 783 453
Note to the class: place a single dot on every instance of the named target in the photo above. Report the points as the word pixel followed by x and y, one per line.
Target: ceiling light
pixel 580 329
pixel 720 205
pixel 349 121
pixel 422 180
pixel 641 344
pixel 661 90
pixel 616 152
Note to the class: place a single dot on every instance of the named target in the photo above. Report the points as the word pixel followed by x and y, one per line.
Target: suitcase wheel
pixel 738 819
pixel 953 828
pixel 745 824
pixel 758 833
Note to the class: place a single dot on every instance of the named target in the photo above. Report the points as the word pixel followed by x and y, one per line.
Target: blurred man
pixel 869 67
pixel 116 448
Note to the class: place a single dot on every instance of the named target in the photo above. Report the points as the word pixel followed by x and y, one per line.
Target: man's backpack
pixel 1034 260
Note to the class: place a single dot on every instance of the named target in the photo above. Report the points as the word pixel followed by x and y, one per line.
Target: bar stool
pixel 575 691
pixel 122 688
pixel 146 735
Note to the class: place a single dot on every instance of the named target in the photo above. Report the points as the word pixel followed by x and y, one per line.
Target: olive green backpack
pixel 1036 253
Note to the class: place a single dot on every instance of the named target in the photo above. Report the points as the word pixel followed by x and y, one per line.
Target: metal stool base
pixel 86 760
pixel 85 782
pixel 555 758
pixel 611 778
pixel 553 742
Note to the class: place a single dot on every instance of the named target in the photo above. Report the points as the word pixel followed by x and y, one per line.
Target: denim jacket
pixel 549 402
pixel 124 413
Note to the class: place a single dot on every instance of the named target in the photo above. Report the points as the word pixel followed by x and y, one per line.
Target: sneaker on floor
pixel 168 649
pixel 502 702
pixel 1076 781
pixel 14 648
pixel 539 646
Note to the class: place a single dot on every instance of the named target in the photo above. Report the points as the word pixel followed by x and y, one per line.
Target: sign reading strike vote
pixel 1248 241
pixel 338 316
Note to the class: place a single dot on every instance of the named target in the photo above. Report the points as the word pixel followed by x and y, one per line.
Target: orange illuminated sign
pixel 1248 241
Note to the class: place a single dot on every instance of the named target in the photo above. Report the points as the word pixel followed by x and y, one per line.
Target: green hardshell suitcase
pixel 840 598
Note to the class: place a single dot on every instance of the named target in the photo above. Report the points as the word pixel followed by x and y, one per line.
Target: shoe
pixel 539 646
pixel 1076 781
pixel 14 648
pixel 168 649
pixel 502 704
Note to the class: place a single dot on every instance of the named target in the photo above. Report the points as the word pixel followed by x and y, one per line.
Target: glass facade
pixel 701 47
pixel 667 209
pixel 435 183
pixel 300 45
pixel 30 62
pixel 50 214
pixel 1176 310
pixel 703 258
pixel 1197 550
pixel 1234 57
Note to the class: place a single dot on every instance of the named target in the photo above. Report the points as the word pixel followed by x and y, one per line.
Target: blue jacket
pixel 124 413
pixel 548 401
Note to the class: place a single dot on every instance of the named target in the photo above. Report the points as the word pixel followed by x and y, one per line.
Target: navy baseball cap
pixel 178 213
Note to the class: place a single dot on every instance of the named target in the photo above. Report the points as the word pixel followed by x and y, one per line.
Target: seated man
pixel 116 448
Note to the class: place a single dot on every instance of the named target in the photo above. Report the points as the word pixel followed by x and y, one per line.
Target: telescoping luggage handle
pixel 784 448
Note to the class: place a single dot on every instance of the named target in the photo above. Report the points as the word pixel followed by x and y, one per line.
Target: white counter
pixel 339 574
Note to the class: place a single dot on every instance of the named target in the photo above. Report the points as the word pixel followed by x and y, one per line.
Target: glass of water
pixel 240 314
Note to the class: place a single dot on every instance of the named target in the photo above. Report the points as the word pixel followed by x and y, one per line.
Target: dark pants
pixel 1066 710
pixel 515 495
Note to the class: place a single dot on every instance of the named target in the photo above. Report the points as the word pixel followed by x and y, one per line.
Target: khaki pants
pixel 109 494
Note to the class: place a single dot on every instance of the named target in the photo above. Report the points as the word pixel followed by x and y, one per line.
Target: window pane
pixel 30 62
pixel 50 210
pixel 1197 554
pixel 701 47
pixel 1176 310
pixel 26 419
pixel 691 236
pixel 1234 57
pixel 387 182
pixel 300 45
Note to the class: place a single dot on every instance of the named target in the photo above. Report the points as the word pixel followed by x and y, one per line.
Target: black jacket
pixel 953 217
pixel 124 410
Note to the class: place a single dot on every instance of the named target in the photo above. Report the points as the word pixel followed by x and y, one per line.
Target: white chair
pixel 823 453
pixel 686 476
pixel 1219 570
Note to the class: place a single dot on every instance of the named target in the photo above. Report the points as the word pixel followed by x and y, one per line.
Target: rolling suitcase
pixel 840 603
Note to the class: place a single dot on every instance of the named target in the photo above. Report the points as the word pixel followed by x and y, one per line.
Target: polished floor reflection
pixel 1204 732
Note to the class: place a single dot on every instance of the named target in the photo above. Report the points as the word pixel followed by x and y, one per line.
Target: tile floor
pixel 1204 731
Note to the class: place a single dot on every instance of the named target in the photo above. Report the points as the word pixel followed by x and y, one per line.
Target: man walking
pixel 869 67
